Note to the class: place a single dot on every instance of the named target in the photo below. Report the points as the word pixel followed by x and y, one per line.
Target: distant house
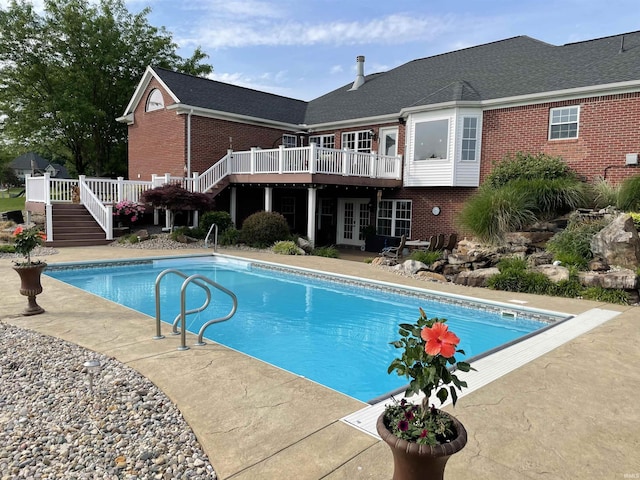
pixel 33 164
pixel 402 149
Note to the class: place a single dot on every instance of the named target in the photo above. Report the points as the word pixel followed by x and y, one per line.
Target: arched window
pixel 155 100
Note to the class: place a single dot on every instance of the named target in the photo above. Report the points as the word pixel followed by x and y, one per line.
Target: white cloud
pixel 391 29
pixel 336 69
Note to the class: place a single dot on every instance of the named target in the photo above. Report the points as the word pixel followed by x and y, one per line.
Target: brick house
pixel 402 149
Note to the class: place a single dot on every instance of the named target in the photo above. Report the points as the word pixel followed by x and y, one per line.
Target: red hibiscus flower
pixel 439 340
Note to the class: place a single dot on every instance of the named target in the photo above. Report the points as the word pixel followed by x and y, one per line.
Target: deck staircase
pixel 73 226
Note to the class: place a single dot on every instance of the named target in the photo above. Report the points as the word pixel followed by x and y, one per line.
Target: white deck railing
pixel 100 194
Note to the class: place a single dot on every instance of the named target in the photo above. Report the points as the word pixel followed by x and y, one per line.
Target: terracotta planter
pixel 30 285
pixel 412 461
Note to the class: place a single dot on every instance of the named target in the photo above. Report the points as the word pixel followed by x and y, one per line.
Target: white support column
pixel 167 220
pixel 233 206
pixel 281 159
pixel 48 214
pixel 268 199
pixel 311 215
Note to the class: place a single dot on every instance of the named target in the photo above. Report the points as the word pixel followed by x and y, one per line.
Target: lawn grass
pixel 7 204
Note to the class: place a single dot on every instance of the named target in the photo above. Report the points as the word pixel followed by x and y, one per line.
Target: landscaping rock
pixel 411 266
pixel 435 277
pixel 598 265
pixel 540 258
pixel 475 278
pixel 528 238
pixel 143 235
pixel 305 245
pixel 555 273
pixel 618 243
pixel 624 279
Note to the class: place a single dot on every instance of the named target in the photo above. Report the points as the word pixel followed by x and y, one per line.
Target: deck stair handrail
pixel 103 214
pixel 201 281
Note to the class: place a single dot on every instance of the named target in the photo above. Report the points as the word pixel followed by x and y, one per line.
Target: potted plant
pixel 26 239
pixel 422 437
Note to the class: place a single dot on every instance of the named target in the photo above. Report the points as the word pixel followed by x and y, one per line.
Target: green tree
pixel 68 73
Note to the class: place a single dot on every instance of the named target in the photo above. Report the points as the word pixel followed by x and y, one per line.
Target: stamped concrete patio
pixel 572 413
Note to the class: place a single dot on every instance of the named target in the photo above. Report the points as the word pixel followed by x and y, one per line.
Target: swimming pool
pixel 336 333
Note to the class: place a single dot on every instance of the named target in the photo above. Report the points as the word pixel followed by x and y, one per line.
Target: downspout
pixel 189 143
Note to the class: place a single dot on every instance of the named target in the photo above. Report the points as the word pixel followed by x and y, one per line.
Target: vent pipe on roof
pixel 360 75
pixel 621 44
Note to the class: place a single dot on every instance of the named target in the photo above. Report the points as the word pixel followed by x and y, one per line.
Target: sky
pixel 306 48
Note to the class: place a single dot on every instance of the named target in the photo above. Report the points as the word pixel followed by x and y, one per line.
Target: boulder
pixel 452 270
pixel 305 245
pixel 142 235
pixel 475 278
pixel 411 267
pixel 624 279
pixel 527 238
pixel 540 258
pixel 598 265
pixel 555 273
pixel 618 243
pixel 385 261
pixel 434 277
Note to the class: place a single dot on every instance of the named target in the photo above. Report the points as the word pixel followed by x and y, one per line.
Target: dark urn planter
pixel 30 285
pixel 412 461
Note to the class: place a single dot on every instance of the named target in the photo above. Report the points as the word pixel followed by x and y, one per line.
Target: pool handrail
pixel 160 276
pixel 198 280
pixel 215 237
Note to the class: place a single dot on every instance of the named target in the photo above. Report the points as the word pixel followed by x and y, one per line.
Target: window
pixel 469 138
pixel 358 141
pixel 563 123
pixel 431 140
pixel 289 141
pixel 154 101
pixel 324 141
pixel 394 218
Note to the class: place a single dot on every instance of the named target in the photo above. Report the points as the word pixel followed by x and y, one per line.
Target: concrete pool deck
pixel 572 413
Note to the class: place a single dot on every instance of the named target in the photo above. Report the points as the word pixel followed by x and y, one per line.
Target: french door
pixel 353 216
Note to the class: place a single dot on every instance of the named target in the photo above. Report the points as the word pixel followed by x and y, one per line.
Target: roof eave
pixel 149 73
pixel 183 109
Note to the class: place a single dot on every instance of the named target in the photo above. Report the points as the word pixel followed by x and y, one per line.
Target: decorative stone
pixel 555 273
pixel 305 245
pixel 476 278
pixel 618 243
pixel 435 277
pixel 598 265
pixel 624 279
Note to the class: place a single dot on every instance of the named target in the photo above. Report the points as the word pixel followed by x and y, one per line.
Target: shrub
pixel 221 219
pixel 551 197
pixel 230 236
pixel 491 213
pixel 636 220
pixel 571 288
pixel 572 246
pixel 514 277
pixel 263 229
pixel 606 295
pixel 329 252
pixel 604 193
pixel 286 247
pixel 178 231
pixel 528 166
pixel 7 249
pixel 426 257
pixel 629 194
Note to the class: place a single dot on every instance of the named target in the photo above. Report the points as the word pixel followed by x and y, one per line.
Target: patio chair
pixel 438 244
pixel 452 242
pixel 394 252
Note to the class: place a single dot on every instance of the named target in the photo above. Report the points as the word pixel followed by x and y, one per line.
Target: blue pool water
pixel 331 332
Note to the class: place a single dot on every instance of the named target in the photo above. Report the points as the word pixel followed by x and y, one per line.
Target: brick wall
pixel 157 140
pixel 608 129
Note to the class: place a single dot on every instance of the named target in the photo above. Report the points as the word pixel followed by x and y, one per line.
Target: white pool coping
pixel 496 365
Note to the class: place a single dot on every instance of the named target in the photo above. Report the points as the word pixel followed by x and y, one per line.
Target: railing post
pixel 48 209
pixel 47 189
pixel 252 166
pixel 195 183
pixel 280 158
pixel 167 178
pixel 313 151
pixel 109 222
pixel 373 171
pixel 229 161
pixel 120 193
pixel 399 167
pixel 345 153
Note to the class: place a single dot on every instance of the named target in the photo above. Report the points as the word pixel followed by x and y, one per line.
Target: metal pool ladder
pixel 202 282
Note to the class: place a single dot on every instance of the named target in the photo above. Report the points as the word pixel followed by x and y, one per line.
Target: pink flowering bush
pixel 128 211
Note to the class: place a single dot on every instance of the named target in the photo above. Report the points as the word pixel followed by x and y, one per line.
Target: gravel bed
pixel 54 426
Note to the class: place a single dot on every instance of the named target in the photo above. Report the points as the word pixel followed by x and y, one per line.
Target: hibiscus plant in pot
pixel 422 437
pixel 25 240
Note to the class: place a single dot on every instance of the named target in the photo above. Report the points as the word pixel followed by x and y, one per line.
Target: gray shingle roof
pixel 23 162
pixel 210 94
pixel 507 68
pixel 511 67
